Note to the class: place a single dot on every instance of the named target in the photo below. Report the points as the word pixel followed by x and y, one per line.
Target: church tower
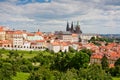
pixel 77 29
pixel 72 28
pixel 67 28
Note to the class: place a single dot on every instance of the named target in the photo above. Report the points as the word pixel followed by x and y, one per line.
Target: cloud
pixel 112 2
pixel 21 19
pixel 92 14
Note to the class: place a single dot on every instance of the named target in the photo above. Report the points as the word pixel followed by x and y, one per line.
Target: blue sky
pixel 95 16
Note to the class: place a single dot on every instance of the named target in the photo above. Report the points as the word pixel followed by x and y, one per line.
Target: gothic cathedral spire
pixel 72 28
pixel 67 28
pixel 78 30
pixel 77 23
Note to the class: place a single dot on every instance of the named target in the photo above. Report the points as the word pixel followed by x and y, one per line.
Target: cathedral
pixel 73 29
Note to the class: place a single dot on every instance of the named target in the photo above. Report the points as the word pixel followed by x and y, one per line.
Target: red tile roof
pixel 38 33
pixel 96 56
pixel 40 40
pixel 18 32
pixel 5 42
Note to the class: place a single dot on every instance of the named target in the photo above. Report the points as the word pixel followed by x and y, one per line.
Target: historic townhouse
pixel 18 39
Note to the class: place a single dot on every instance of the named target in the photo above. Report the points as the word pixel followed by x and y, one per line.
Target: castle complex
pixel 73 29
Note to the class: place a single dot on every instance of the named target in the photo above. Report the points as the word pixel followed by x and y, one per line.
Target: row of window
pixel 99 61
pixel 31 47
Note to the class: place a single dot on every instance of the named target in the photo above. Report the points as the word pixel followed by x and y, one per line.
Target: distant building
pixel 18 38
pixel 73 29
pixel 2 35
pixel 67 36
pixel 35 36
pixel 86 37
pixel 3 32
pixel 76 29
pixel 58 46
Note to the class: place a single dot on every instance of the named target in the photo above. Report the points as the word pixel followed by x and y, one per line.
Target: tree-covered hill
pixel 46 65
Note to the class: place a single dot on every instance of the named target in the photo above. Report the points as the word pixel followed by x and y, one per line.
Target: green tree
pixel 117 63
pixel 62 61
pixel 87 51
pixel 6 72
pixel 117 71
pixel 92 39
pixel 80 60
pixel 104 63
pixel 72 50
pixel 112 71
pixel 57 74
pixel 93 72
pixel 71 74
pixel 42 74
pixel 0 54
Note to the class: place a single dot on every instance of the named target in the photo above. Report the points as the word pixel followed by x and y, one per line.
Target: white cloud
pixel 22 19
pixel 58 12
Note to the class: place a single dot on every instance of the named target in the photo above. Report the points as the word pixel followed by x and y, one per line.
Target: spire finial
pixel 38 30
pixel 67 27
pixel 77 23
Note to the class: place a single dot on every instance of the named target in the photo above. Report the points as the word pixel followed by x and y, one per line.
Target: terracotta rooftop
pixel 18 32
pixel 38 33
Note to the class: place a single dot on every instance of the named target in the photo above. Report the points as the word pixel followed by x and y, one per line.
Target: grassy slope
pixel 21 76
pixel 26 54
pixel 115 78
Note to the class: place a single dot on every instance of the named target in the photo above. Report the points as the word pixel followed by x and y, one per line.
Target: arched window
pixel 4 45
pixel 8 45
pixel 15 46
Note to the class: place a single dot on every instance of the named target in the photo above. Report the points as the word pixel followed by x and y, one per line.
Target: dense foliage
pixel 116 70
pixel 97 40
pixel 47 65
pixel 104 63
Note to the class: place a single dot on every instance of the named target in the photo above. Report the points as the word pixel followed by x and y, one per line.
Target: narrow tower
pixel 78 30
pixel 38 30
pixel 72 28
pixel 67 28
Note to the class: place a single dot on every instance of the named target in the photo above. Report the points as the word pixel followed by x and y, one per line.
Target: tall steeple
pixel 67 28
pixel 72 28
pixel 38 30
pixel 78 30
pixel 77 23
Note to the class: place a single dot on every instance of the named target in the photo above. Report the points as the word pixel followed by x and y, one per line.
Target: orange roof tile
pixel 40 40
pixel 38 33
pixel 5 42
pixel 9 32
pixel 96 56
pixel 111 65
pixel 1 30
pixel 18 32
pixel 63 44
pixel 55 43
pixel 30 34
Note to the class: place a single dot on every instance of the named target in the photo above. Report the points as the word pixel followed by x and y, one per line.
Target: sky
pixel 94 16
